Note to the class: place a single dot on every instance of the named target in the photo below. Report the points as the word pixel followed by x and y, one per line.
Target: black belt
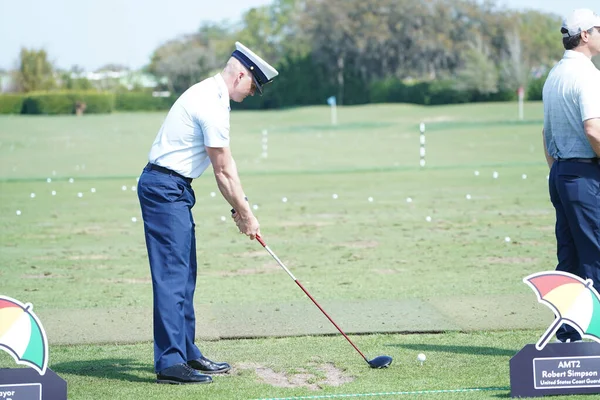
pixel 582 160
pixel 168 172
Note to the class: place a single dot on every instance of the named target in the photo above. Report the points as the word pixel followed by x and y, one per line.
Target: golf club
pixel 377 362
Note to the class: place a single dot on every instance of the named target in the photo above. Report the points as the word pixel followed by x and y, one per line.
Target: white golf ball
pixel 123 188
pixel 133 219
pixel 212 194
pixel 54 193
pixel 93 190
pixel 133 188
pixel 421 357
pixel 507 239
pixel 408 200
pixel 48 180
pixel 524 176
pixel 71 180
pixel 495 175
pixel 18 212
pixel 284 199
pixel 370 199
pixel 468 197
pixel 476 173
pixel 255 206
pixel 428 218
pixel 422 163
pixel 32 195
pixel 335 196
pixel 79 194
pixel 223 218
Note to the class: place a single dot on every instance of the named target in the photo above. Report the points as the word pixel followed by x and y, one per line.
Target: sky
pixel 93 33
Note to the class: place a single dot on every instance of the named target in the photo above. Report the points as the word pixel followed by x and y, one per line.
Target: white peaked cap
pixel 262 72
pixel 581 19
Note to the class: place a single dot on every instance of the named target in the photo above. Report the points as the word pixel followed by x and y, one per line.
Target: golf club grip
pixel 260 240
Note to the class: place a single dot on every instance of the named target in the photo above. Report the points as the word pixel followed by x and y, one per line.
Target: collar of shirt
pixel 572 54
pixel 223 92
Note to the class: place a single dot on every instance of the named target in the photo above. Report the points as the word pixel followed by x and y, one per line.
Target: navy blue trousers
pixel 575 194
pixel 166 202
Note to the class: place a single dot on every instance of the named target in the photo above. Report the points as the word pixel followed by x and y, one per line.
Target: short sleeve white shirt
pixel 571 95
pixel 198 119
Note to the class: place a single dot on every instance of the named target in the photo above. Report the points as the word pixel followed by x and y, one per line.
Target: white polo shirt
pixel 199 118
pixel 571 95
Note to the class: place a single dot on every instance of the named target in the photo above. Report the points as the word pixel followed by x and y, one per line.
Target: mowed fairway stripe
pixel 353 316
pixel 213 322
pixel 494 312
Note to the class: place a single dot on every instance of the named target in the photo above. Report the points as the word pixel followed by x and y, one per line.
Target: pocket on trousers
pixel 165 191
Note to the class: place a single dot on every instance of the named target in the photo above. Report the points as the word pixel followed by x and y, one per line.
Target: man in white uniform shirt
pixel 571 134
pixel 194 135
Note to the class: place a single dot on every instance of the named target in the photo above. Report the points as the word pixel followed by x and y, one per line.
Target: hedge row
pixel 385 91
pixel 52 103
pixel 11 103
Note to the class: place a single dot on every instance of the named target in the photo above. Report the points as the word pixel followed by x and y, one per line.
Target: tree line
pixel 362 51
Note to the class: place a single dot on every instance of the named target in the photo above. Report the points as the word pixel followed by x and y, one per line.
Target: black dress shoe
pixel 180 374
pixel 206 366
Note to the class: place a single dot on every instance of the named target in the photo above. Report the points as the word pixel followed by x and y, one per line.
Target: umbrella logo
pixel 573 300
pixel 22 334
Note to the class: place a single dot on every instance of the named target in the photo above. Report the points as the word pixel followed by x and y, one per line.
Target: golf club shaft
pixel 262 242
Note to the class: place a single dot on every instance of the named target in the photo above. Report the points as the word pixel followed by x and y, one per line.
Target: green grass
pixel 66 254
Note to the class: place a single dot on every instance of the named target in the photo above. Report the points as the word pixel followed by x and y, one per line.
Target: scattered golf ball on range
pixel 408 200
pixel 93 190
pixel 48 180
pixel 79 194
pixel 223 218
pixel 468 197
pixel 428 218
pixel 123 188
pixel 133 219
pixel 370 199
pixel 524 176
pixel 421 358
pixel 212 194
pixel 495 175
pixel 54 193
pixel 476 173
pixel 32 195
pixel 255 206
pixel 18 212
pixel 71 180
pixel 335 196
pixel 284 199
pixel 507 239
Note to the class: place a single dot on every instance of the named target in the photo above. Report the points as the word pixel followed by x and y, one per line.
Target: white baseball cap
pixel 262 72
pixel 581 19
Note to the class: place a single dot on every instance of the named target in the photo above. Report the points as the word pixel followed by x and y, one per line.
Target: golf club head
pixel 380 362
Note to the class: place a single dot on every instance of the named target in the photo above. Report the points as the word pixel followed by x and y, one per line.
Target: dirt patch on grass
pixel 362 244
pixel 254 254
pixel 311 224
pixel 265 269
pixel 80 257
pixel 510 260
pixel 301 377
pixel 386 271
pixel 44 275
pixel 127 280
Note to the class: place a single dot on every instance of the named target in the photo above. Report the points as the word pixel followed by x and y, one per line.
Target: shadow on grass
pixel 108 368
pixel 479 350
